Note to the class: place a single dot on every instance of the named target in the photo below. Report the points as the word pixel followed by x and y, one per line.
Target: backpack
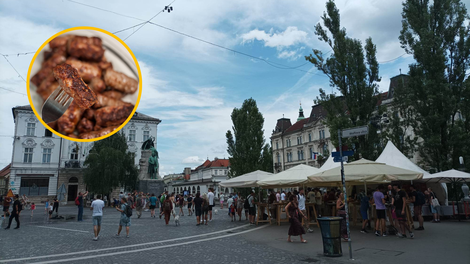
pixel 128 211
pixel 420 199
pixel 167 205
pixel 162 199
pixel 77 202
pixel 247 203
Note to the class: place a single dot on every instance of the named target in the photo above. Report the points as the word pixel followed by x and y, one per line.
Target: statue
pixel 148 143
pixel 153 163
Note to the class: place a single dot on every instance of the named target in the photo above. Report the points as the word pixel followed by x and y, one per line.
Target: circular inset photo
pixel 84 84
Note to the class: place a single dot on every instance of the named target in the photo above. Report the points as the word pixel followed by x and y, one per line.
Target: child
pixel 232 211
pixel 47 206
pixel 51 209
pixel 33 207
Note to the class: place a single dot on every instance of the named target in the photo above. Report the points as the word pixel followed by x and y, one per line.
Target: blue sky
pixel 193 86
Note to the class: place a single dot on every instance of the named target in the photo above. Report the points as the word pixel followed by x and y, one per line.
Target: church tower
pixel 301 113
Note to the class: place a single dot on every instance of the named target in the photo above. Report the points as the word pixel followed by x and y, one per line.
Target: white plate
pixel 115 53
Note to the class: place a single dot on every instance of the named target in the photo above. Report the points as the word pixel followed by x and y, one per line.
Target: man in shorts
pixel 190 204
pixel 379 200
pixel 210 196
pixel 197 202
pixel 252 209
pixel 153 204
pixel 97 208
pixel 400 203
pixel 418 200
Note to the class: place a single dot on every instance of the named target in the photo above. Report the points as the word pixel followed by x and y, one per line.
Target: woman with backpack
pixel 167 209
pixel 126 213
pixel 205 208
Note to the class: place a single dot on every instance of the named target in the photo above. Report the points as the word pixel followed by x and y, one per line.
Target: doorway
pixel 72 193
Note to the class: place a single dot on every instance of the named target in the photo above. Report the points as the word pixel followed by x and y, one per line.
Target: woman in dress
pixel 341 212
pixel 124 221
pixel 294 214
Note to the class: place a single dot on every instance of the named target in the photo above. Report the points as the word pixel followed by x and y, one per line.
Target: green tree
pixel 246 146
pixel 110 165
pixel 436 34
pixel 355 75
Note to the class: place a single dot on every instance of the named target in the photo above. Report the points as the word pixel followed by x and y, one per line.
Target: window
pixel 215 172
pixel 277 145
pixel 30 129
pixel 46 155
pixel 302 154
pixel 278 157
pixel 319 133
pixel 309 137
pixel 28 155
pixel 47 133
pixel 298 154
pixel 325 149
pixel 289 157
pixel 288 143
pixel 323 133
pixel 34 186
pixel 74 154
pixel 299 140
pixel 131 135
pixel 146 135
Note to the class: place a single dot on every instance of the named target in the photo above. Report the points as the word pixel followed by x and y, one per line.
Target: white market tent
pixel 364 171
pixel 393 157
pixel 292 177
pixel 448 176
pixel 329 164
pixel 246 180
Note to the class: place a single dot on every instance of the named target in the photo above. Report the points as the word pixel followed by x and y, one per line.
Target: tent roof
pixel 393 157
pixel 329 164
pixel 447 176
pixel 365 171
pixel 291 177
pixel 246 180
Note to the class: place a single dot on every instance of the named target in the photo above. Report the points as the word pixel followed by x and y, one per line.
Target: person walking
pixel 294 214
pixel 153 204
pixel 205 209
pixel 210 197
pixel 240 203
pixel 418 200
pixel 46 204
pixel 190 204
pixel 364 201
pixel 221 200
pixel 80 206
pixel 301 200
pixel 283 196
pixel 197 202
pixel 278 196
pixel 33 207
pixel 341 212
pixel 139 206
pixel 400 203
pixel 181 204
pixel 97 208
pixel 55 206
pixel 252 208
pixel 15 213
pixel 6 206
pixel 167 209
pixel 125 219
pixel 379 200
pixel 229 203
pixel 434 206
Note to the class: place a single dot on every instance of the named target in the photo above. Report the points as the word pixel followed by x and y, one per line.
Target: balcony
pixel 73 164
pixel 277 165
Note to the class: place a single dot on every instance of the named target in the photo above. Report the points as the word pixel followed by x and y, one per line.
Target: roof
pixel 137 115
pixel 318 111
pixel 216 163
pixel 297 126
pixel 5 171
pixel 282 125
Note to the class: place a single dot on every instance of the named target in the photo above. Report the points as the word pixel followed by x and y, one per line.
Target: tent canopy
pixel 329 164
pixel 393 157
pixel 363 170
pixel 294 176
pixel 246 180
pixel 448 176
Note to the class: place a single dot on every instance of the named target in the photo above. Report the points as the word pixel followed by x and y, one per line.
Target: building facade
pixel 205 176
pixel 42 161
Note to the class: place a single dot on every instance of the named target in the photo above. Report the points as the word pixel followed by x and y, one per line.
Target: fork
pixel 56 105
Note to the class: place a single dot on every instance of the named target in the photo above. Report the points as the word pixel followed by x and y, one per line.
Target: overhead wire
pixel 5 57
pixel 6 89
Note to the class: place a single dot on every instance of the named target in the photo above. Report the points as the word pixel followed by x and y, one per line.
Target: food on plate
pixel 71 82
pixel 78 65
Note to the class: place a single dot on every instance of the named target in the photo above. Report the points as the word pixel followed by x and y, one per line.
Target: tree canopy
pixel 246 145
pixel 110 165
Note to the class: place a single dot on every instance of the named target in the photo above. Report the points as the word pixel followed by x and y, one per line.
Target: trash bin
pixel 331 234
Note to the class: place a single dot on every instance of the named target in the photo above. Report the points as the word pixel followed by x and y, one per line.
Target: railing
pixel 73 164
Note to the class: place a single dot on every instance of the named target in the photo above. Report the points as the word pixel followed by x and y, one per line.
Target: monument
pixel 149 179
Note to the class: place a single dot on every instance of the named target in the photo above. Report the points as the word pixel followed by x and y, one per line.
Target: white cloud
pixel 193 160
pixel 288 55
pixel 291 36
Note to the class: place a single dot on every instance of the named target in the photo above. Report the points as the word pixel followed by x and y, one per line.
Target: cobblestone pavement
pixel 41 240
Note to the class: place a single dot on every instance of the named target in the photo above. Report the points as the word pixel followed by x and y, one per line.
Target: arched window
pixel 198 189
pixel 194 190
pixel 73 180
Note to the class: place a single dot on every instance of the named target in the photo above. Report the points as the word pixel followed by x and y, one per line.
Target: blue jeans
pixel 80 213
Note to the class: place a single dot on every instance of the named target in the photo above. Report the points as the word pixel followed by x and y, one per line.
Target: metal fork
pixel 56 105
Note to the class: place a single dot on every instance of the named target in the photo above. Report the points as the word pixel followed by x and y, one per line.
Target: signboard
pixel 338 159
pixel 345 153
pixel 10 194
pixel 354 132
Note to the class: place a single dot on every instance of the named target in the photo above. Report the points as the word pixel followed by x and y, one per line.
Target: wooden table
pixel 261 208
pixel 280 220
pixel 309 216
pixel 333 207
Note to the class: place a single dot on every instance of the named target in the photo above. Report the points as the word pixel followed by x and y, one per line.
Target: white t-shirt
pixel 210 196
pixel 278 197
pixel 301 199
pixel 283 196
pixel 221 198
pixel 97 207
pixel 229 202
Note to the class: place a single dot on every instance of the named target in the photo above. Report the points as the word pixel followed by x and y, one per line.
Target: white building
pixel 207 175
pixel 42 161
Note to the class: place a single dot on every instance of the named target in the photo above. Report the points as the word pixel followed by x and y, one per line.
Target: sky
pixel 193 86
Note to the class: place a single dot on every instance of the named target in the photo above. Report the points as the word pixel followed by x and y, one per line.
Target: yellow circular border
pixel 29 79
